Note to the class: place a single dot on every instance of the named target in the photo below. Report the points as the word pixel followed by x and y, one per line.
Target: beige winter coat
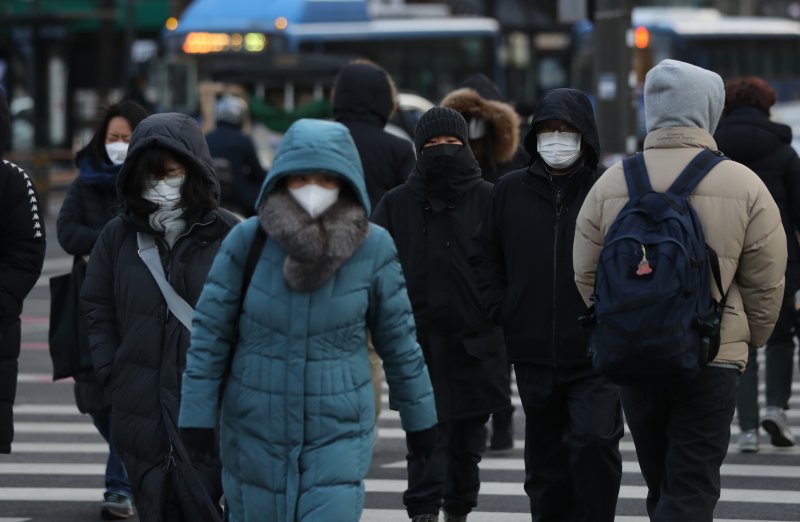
pixel 740 222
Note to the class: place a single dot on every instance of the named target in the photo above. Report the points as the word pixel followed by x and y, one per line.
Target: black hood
pixel 177 133
pixel 746 134
pixel 481 84
pixel 5 124
pixel 573 107
pixel 362 92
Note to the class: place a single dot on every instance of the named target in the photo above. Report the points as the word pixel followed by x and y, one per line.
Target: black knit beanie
pixel 440 121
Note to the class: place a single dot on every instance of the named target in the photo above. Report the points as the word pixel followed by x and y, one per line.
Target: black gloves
pixel 422 442
pixel 199 442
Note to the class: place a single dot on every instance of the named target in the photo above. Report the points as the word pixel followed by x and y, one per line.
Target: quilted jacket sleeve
pixel 392 325
pixel 214 330
pixel 762 266
pixel 98 300
pixel 587 245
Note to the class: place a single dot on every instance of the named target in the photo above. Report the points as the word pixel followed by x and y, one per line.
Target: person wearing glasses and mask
pixel 90 203
pixel 298 414
pixel 523 263
pixel 169 193
pixel 432 218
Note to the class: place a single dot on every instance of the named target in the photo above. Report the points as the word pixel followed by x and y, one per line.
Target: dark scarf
pixel 106 176
pixel 315 248
pixel 444 173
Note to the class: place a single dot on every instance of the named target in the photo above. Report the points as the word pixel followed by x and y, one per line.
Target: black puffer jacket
pixel 138 346
pixel 523 247
pixel 747 135
pixel 363 103
pixel 230 143
pixel 22 248
pixel 463 349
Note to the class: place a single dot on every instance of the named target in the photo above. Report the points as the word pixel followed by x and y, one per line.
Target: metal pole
pixel 613 57
pixel 130 36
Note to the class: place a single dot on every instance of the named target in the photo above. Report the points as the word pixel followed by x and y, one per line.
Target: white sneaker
pixel 748 441
pixel 775 423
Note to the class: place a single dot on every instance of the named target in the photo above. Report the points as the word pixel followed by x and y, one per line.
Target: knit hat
pixel 678 94
pixel 440 121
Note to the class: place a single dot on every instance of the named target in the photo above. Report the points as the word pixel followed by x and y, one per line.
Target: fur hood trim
pixel 501 116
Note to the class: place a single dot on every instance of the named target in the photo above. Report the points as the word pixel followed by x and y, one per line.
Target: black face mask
pixel 448 171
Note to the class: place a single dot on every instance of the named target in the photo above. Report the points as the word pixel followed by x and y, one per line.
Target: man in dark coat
pixel 234 153
pixel 523 263
pixel 432 218
pixel 363 100
pixel 22 248
pixel 747 135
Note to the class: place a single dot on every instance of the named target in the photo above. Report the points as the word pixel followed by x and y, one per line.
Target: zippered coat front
pixel 523 263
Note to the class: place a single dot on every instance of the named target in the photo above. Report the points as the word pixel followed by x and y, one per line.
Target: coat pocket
pixel 482 346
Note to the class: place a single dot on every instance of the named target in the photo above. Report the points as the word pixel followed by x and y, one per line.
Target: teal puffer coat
pixel 298 413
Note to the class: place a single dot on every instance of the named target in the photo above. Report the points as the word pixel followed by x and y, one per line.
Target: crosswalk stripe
pixel 399 515
pixel 733 470
pixel 51 494
pixel 46 409
pixel 54 427
pixel 767 496
pixel 59 447
pixel 60 468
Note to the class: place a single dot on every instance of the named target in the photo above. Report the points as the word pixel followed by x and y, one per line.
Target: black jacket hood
pixel 362 92
pixel 177 133
pixel 573 107
pixel 5 124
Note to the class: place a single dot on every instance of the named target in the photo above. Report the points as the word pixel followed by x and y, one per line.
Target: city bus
pixel 289 51
pixel 732 46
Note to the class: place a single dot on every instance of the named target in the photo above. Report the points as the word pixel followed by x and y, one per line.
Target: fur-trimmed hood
pixel 501 116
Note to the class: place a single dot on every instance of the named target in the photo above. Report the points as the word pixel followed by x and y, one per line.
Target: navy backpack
pixel 654 317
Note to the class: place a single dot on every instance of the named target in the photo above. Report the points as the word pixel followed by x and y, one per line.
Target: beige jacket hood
pixel 740 221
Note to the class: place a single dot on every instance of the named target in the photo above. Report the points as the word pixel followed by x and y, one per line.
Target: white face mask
pixel 166 196
pixel 117 151
pixel 477 128
pixel 315 199
pixel 559 149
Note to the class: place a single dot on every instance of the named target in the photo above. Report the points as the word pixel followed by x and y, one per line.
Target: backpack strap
pixel 636 176
pixel 695 171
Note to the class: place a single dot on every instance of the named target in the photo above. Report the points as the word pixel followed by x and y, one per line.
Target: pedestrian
pixel 444 197
pixel 297 410
pixel 90 203
pixel 22 249
pixel 364 97
pixel 494 137
pixel 169 193
pixel 747 135
pixel 681 428
pixel 228 144
pixel 523 263
pixel 494 126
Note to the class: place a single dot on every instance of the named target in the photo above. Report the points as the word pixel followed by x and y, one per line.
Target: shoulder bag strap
pixel 148 251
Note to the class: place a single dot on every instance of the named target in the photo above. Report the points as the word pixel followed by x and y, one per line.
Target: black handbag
pixel 69 340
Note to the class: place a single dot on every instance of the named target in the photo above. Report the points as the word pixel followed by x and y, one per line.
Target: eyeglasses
pixel 174 178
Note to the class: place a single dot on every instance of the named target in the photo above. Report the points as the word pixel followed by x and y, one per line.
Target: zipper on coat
pixel 555 269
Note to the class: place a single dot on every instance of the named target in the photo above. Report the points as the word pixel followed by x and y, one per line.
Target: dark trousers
pixel 573 424
pixel 681 432
pixel 449 476
pixel 780 362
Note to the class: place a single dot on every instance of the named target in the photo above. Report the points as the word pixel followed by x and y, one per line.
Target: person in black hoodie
pixel 432 218
pixel 363 100
pixel 22 248
pixel 522 260
pixel 746 134
pixel 90 203
pixel 138 344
